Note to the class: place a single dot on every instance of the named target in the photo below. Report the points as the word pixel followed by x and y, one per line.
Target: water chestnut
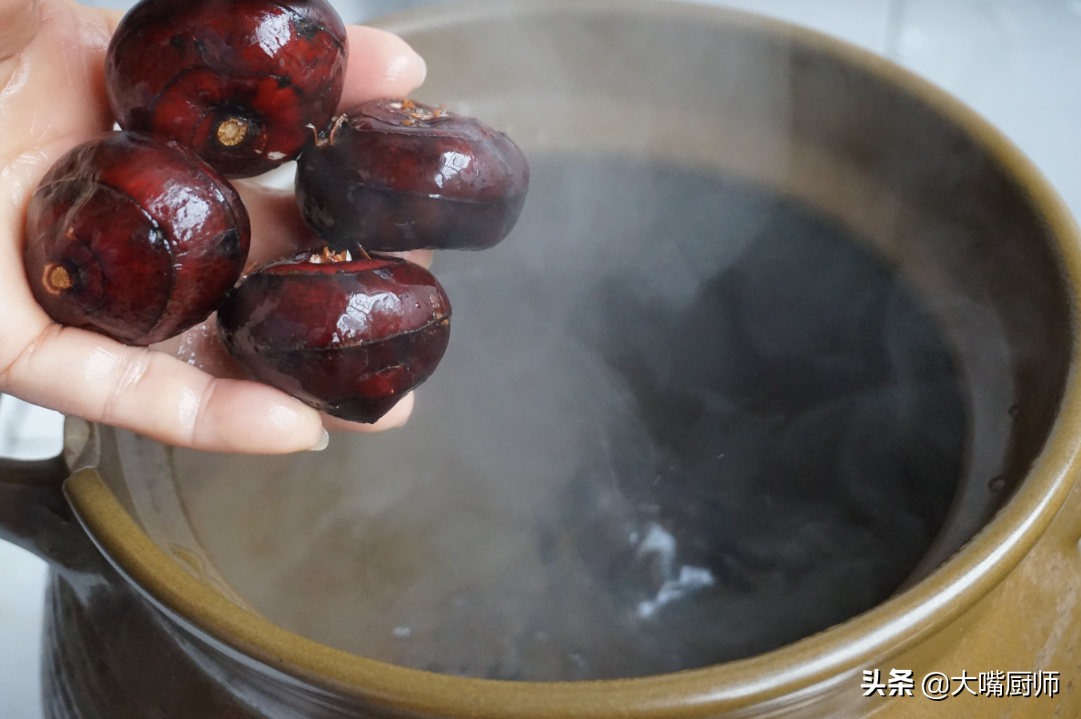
pixel 347 336
pixel 134 238
pixel 397 175
pixel 243 82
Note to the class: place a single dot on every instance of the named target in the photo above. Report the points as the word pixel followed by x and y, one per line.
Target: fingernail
pixel 322 444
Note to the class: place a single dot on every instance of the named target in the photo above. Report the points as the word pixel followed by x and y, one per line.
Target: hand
pixel 184 392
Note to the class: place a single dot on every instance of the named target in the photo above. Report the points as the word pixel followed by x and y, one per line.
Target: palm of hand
pixel 52 98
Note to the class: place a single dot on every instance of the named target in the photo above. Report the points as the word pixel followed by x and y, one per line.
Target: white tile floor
pixel 1018 62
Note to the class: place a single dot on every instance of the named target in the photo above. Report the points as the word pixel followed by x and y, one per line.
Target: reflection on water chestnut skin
pixel 348 337
pixel 134 238
pixel 397 175
pixel 241 81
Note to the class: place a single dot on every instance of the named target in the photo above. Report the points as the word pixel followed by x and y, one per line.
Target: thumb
pixel 18 26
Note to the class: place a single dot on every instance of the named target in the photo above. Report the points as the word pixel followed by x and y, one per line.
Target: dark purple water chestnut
pixel 134 238
pixel 397 175
pixel 241 81
pixel 348 337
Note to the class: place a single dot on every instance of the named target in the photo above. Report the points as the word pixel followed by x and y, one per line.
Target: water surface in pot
pixel 684 422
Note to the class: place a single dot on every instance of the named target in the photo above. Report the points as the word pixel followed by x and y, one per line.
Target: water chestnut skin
pixel 245 83
pixel 348 337
pixel 133 238
pixel 396 175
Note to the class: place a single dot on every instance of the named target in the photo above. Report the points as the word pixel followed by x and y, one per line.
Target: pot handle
pixel 35 515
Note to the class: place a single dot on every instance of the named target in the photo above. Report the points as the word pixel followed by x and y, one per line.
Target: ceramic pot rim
pixel 863 641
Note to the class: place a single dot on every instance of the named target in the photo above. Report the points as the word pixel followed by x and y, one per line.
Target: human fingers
pixel 396 417
pixel 277 228
pixel 200 347
pixel 56 56
pixel 18 25
pixel 111 18
pixel 418 257
pixel 85 374
pixel 380 65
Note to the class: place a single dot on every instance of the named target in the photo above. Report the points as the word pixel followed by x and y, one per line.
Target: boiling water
pixel 681 421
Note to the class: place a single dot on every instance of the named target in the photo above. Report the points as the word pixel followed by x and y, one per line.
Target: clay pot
pixel 197 600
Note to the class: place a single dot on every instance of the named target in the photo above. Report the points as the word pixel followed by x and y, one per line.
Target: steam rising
pixel 680 421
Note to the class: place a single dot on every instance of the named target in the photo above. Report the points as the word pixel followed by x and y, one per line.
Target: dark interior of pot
pixel 772 339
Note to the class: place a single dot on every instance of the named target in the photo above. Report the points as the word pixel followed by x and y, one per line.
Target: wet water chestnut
pixel 347 336
pixel 241 81
pixel 398 175
pixel 134 238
